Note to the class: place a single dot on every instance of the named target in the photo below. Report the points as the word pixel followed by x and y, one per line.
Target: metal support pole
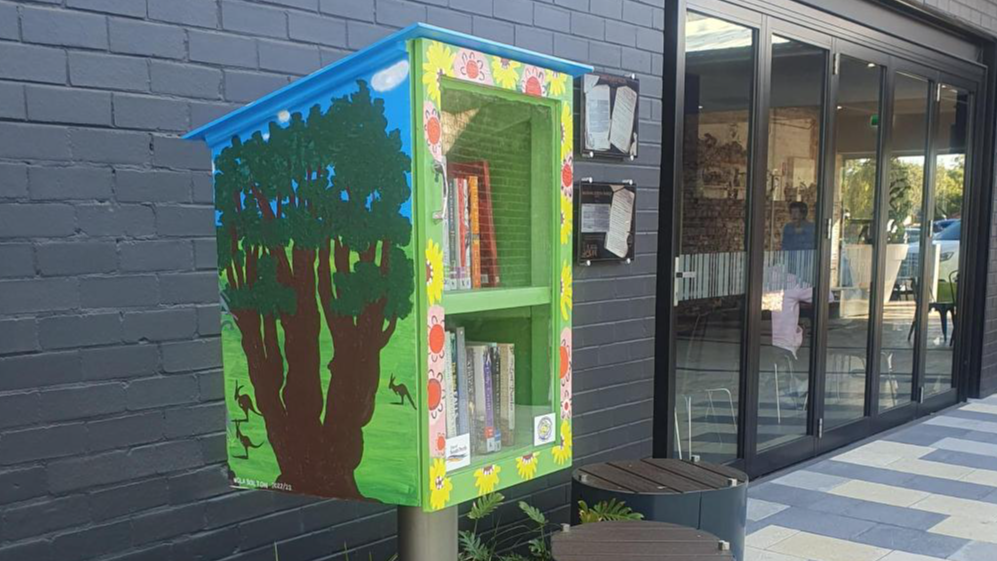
pixel 427 536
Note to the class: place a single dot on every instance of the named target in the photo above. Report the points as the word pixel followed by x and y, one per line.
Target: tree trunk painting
pixel 310 238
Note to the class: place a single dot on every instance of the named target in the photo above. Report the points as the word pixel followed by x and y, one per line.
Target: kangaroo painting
pixel 317 273
pixel 401 391
pixel 244 402
pixel 244 441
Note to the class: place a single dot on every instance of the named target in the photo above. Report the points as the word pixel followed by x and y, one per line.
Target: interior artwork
pixel 399 204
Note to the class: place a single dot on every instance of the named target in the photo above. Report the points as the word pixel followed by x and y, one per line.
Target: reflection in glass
pixel 942 261
pixel 710 309
pixel 852 225
pixel 901 276
pixel 791 197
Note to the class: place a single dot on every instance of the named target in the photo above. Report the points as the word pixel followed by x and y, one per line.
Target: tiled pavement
pixel 926 492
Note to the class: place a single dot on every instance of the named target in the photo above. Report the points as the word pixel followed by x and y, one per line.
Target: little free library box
pixel 394 256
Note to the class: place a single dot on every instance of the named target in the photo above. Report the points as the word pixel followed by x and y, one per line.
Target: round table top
pixel 647 541
pixel 659 476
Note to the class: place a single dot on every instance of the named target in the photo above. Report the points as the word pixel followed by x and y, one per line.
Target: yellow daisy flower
pixel 434 272
pixel 562 452
pixel 566 433
pixel 486 479
pixel 566 290
pixel 555 83
pixel 439 62
pixel 566 210
pixel 527 466
pixel 504 72
pixel 439 484
pixel 567 131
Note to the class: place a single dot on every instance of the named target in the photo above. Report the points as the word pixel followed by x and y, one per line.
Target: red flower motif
pixel 435 393
pixel 566 174
pixel 436 338
pixel 433 130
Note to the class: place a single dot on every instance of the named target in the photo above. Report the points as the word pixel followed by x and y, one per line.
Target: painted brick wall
pixel 111 416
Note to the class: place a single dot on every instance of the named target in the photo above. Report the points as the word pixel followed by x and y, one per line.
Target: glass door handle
pixel 679 275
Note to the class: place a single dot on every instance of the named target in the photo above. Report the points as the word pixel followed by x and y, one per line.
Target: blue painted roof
pixel 389 47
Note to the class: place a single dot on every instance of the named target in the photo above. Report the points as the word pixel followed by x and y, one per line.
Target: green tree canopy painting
pixel 313 232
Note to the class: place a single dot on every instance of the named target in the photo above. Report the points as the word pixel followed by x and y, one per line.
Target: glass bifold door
pixel 817 236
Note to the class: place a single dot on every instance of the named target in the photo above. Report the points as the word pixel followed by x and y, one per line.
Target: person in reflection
pixel 794 280
pixel 798 234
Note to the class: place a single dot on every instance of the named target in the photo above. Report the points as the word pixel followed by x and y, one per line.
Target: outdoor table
pixel 647 541
pixel 697 494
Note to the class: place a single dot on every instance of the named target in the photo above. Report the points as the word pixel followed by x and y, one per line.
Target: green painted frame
pixel 439 65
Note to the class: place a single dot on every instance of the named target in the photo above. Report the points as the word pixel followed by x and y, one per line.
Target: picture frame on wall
pixel 606 221
pixel 609 109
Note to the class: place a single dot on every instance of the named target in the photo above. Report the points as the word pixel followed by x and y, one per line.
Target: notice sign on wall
pixel 606 218
pixel 609 116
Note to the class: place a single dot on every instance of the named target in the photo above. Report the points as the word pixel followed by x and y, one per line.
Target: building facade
pixel 112 421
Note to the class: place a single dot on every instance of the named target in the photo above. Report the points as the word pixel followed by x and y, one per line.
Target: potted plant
pixel 901 208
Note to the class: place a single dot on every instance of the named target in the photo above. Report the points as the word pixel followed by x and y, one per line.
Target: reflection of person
pixel 794 285
pixel 798 233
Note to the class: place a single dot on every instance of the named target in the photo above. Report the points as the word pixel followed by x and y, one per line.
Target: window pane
pixel 790 267
pixel 942 271
pixel 901 276
pixel 710 311
pixel 852 225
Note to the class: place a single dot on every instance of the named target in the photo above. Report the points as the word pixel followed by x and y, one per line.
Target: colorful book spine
pixel 496 370
pixel 472 398
pixel 489 245
pixel 448 248
pixel 489 431
pixel 464 208
pixel 463 415
pixel 475 233
pixel 507 397
pixel 453 260
pixel 449 389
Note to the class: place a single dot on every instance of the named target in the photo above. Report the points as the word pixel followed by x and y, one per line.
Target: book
pixel 465 235
pixel 463 416
pixel 454 403
pixel 449 389
pixel 492 444
pixel 450 251
pixel 496 370
pixel 507 395
pixel 489 243
pixel 475 232
pixel 472 397
pixel 484 415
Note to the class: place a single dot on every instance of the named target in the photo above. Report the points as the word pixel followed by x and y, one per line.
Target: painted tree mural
pixel 312 217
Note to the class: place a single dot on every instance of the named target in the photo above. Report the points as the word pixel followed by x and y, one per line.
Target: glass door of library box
pixel 817 237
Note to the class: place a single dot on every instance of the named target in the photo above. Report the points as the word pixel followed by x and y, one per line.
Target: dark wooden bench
pixel 643 541
pixel 700 495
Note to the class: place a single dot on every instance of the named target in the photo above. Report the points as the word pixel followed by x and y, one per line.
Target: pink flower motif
pixel 436 398
pixel 565 372
pixel 472 66
pixel 433 129
pixel 534 81
pixel 567 176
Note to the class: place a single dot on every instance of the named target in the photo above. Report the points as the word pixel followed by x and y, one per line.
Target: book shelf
pixel 394 237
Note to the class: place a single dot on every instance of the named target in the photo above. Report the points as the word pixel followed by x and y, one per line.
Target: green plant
pixel 530 540
pixel 534 536
pixel 606 511
pixel 901 201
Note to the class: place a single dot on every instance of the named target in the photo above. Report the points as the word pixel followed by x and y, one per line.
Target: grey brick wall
pixel 111 414
pixel 982 13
